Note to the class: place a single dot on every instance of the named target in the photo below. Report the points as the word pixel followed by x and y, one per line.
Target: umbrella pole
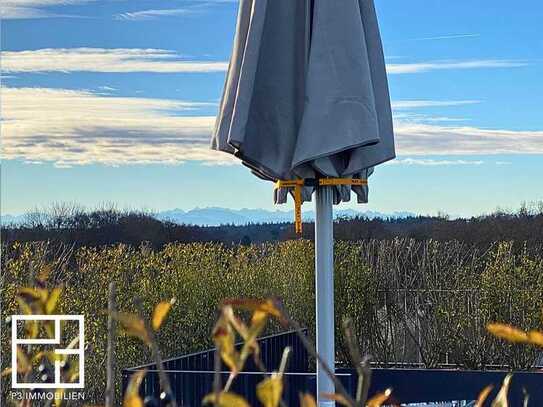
pixel 324 286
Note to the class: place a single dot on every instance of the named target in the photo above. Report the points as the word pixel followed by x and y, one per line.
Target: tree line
pixel 70 224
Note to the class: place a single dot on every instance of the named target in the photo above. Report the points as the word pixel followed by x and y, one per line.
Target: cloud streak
pixel 152 14
pixel 121 60
pixel 19 9
pixel 416 104
pixel 428 139
pixel 445 37
pixel 28 9
pixel 167 61
pixel 155 13
pixel 433 163
pixel 421 67
pixel 71 127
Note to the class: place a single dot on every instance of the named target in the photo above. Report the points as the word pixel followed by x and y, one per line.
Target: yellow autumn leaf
pixel 73 373
pixel 507 332
pixel 535 338
pixel 338 398
pixel 483 395
pixel 307 400
pixel 230 317
pixel 53 357
pixel 501 398
pixel 269 306
pixel 526 396
pixel 258 323
pixel 24 306
pixel 73 377
pixel 250 345
pixel 49 328
pixel 132 324
pixel 58 397
pixel 379 399
pixel 32 293
pixel 225 399
pixel 32 327
pixel 133 401
pixel 23 363
pixel 6 372
pixel 131 395
pixel 44 273
pixel 44 294
pixel 160 313
pixel 270 390
pixel 37 357
pixel 224 339
pixel 52 300
pixel 516 335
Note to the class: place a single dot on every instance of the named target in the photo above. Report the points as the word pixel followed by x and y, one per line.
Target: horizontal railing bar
pixel 399 290
pixel 272 336
pixel 226 372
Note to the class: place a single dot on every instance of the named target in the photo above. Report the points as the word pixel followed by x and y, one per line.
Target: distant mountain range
pixel 12 219
pixel 215 216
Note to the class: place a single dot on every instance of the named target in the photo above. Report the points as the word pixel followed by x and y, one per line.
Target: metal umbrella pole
pixel 324 288
pixel 306 98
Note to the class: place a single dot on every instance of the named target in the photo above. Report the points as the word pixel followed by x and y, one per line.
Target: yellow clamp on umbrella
pixel 297 185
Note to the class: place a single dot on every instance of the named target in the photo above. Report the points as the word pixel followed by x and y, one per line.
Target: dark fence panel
pixel 190 387
pixel 418 385
pixel 192 377
pixel 271 351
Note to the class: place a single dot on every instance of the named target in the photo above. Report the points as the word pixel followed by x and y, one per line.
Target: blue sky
pixel 113 101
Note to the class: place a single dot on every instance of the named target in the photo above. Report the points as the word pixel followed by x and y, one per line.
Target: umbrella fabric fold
pixel 306 93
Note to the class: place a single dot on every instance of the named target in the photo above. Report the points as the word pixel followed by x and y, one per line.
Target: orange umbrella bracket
pixel 298 184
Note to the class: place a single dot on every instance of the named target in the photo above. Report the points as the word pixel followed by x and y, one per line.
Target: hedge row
pixel 411 302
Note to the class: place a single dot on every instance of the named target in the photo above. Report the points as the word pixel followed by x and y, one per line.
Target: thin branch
pixel 361 364
pixel 217 374
pixel 229 382
pixel 282 367
pixel 310 347
pixel 162 376
pixel 110 386
pixel 414 338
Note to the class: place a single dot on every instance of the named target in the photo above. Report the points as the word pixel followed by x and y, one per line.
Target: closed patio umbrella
pixel 306 104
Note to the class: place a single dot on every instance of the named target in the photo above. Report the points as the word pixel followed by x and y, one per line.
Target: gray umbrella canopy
pixel 306 94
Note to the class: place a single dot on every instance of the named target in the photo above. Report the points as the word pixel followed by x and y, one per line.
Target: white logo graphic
pixel 79 351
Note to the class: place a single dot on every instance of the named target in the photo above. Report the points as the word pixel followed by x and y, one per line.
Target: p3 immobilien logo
pixel 39 384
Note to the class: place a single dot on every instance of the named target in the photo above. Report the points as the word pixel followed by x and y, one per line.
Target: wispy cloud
pixel 444 37
pixel 188 10
pixel 431 139
pixel 405 111
pixel 167 61
pixel 107 88
pixel 433 162
pixel 23 9
pixel 104 60
pixel 420 67
pixel 156 13
pixel 19 9
pixel 70 128
pixel 425 118
pixel 415 104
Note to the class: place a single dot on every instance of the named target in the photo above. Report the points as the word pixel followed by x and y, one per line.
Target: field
pixel 412 302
